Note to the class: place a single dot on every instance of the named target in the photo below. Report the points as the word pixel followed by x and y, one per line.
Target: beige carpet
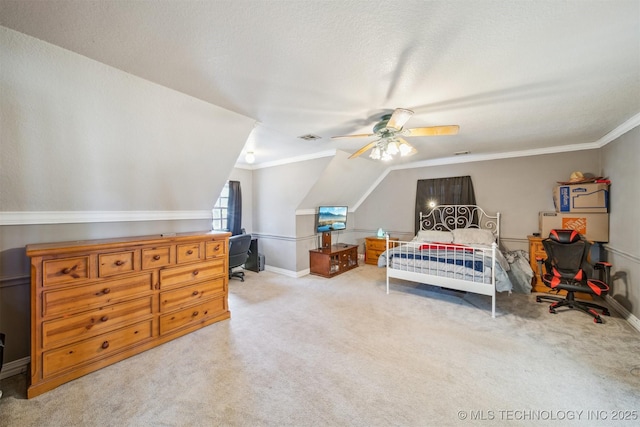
pixel 341 352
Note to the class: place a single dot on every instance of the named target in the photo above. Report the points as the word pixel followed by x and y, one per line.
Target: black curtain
pixel 234 210
pixel 442 191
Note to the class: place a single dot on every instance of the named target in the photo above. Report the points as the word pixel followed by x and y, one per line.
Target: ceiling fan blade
pixel 433 131
pixel 399 118
pixel 363 149
pixel 358 135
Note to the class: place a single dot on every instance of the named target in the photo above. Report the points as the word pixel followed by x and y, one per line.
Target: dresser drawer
pixel 156 257
pixel 215 249
pixel 190 294
pixel 116 263
pixel 66 270
pixel 94 295
pixel 177 276
pixel 378 244
pixel 92 323
pixel 189 252
pixel 71 356
pixel 192 315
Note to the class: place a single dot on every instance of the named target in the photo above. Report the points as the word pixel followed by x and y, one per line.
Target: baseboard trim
pixel 287 273
pixel 15 367
pixel 629 317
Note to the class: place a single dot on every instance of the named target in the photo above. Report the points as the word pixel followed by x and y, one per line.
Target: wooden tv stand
pixel 334 260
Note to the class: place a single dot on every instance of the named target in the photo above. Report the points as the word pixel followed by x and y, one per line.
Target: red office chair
pixel 567 269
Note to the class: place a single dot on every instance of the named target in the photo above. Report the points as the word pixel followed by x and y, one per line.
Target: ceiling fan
pixel 390 132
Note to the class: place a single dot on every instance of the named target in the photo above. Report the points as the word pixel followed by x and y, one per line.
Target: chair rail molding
pixel 76 217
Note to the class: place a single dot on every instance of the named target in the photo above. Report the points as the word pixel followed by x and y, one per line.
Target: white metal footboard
pixel 432 271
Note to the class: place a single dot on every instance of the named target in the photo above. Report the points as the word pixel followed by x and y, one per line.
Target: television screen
pixel 331 218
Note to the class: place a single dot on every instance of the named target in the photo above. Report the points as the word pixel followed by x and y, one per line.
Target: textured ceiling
pixel 514 75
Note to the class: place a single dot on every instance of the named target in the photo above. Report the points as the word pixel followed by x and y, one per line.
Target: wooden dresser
pixel 96 302
pixel 374 246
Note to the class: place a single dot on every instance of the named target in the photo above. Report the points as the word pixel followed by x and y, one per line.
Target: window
pixel 220 209
pixel 442 191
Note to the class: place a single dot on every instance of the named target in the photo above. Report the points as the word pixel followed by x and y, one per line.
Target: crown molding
pixel 76 217
pixel 313 156
pixel 630 124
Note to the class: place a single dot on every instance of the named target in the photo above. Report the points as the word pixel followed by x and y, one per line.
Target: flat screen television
pixel 331 218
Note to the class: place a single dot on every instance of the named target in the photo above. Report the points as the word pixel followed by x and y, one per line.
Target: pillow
pixel 434 236
pixel 473 236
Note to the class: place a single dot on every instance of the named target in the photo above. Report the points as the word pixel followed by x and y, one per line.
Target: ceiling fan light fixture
pixel 405 149
pixel 392 147
pixel 390 132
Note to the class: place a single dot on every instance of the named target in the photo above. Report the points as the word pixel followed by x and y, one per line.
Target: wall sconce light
pixel 250 157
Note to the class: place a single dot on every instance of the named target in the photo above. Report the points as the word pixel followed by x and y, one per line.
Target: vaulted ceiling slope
pixel 515 76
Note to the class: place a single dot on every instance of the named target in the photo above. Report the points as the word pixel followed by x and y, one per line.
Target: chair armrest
pixel 604 271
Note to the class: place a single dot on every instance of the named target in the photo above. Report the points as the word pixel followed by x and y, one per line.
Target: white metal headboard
pixel 450 217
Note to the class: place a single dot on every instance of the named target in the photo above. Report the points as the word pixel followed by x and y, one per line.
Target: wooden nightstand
pixel 374 246
pixel 536 250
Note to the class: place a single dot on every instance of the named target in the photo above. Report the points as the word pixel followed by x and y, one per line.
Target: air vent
pixel 310 137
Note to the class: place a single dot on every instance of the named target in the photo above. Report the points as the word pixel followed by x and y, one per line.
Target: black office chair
pixel 238 253
pixel 568 270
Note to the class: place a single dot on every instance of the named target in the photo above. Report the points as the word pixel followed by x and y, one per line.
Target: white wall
pixel 342 182
pixel 620 160
pixel 518 188
pixel 78 135
pixel 277 193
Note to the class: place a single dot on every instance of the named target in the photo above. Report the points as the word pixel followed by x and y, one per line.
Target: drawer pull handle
pixel 217 248
pixel 69 269
pixel 104 318
pixel 189 252
pixel 106 291
pixel 105 344
pixel 195 313
pixel 195 293
pixel 195 272
pixel 156 257
pixel 119 263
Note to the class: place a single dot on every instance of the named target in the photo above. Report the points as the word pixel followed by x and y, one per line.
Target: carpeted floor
pixel 341 352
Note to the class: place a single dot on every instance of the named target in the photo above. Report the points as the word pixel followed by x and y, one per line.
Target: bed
pixel 457 248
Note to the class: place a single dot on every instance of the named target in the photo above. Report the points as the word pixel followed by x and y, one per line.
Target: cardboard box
pixel 594 226
pixel 588 198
